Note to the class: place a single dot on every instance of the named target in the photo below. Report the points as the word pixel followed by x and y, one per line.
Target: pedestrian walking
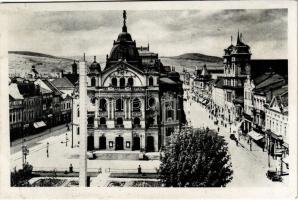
pixel 139 169
pixel 70 168
pixel 236 142
pixel 218 129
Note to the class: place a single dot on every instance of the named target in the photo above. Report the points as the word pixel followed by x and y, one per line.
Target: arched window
pixel 150 121
pixel 119 121
pixel 150 81
pixel 136 121
pixel 114 82
pixel 151 102
pixel 122 82
pixel 90 120
pixel 93 81
pixel 103 105
pixel 119 105
pixel 136 104
pixel 170 114
pixel 130 82
pixel 102 121
pixel 93 99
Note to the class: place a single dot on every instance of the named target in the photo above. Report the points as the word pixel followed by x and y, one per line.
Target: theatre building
pixel 134 102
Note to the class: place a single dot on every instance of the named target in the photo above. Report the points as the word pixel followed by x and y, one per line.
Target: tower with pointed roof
pixel 236 69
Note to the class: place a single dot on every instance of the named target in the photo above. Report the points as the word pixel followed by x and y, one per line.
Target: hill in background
pixel 20 62
pixel 190 61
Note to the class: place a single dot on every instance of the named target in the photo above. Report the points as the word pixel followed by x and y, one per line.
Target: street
pixel 248 169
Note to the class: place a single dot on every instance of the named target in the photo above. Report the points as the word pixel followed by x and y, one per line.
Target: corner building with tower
pixel 135 103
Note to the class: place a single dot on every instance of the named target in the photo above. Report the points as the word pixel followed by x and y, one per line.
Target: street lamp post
pixel 25 152
pixel 66 140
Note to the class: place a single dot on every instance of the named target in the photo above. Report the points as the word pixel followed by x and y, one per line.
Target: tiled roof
pixel 45 91
pixel 73 78
pixel 62 83
pixel 268 82
pixel 52 87
pixel 28 89
pixel 167 81
pixel 14 91
pixel 219 83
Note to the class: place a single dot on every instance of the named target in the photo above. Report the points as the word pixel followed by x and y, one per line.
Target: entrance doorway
pixel 136 143
pixel 102 142
pixel 150 144
pixel 90 143
pixel 119 143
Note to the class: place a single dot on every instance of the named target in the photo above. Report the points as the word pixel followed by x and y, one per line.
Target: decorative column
pixel 96 113
pixel 112 110
pixel 129 108
pixel 108 108
pixel 143 107
pixel 125 108
pixel 83 125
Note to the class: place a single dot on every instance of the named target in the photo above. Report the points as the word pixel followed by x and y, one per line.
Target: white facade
pixel 276 120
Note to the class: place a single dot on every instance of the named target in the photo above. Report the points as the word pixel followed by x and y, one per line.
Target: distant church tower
pixel 74 68
pixel 237 59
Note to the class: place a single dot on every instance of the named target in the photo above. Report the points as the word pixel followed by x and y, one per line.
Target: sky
pixel 169 32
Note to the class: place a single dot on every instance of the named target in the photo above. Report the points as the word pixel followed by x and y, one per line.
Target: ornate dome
pixel 124 36
pixel 94 67
pixel 124 47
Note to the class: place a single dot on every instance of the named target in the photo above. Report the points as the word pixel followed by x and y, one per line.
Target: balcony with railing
pixel 102 126
pixel 102 113
pixel 136 114
pixel 119 114
pixel 119 126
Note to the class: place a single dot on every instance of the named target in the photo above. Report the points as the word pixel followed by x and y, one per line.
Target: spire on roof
pixel 94 58
pixel 238 38
pixel 124 28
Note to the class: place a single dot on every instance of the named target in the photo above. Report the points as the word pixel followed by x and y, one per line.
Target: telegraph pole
pixel 83 124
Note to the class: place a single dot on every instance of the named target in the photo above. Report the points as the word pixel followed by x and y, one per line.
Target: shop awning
pixel 39 124
pixel 274 136
pixel 254 135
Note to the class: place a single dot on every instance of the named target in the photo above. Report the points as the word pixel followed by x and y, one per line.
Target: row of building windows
pixel 136 104
pixel 276 126
pixel 66 106
pixel 32 102
pixel 15 117
pixel 259 103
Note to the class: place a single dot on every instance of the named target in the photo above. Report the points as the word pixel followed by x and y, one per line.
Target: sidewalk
pixel 33 140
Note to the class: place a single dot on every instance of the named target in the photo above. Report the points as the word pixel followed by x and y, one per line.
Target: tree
pixel 196 158
pixel 21 177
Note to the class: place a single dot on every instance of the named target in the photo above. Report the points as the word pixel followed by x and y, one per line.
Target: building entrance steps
pixel 116 155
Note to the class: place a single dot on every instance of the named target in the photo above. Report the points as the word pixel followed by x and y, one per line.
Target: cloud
pixel 169 32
